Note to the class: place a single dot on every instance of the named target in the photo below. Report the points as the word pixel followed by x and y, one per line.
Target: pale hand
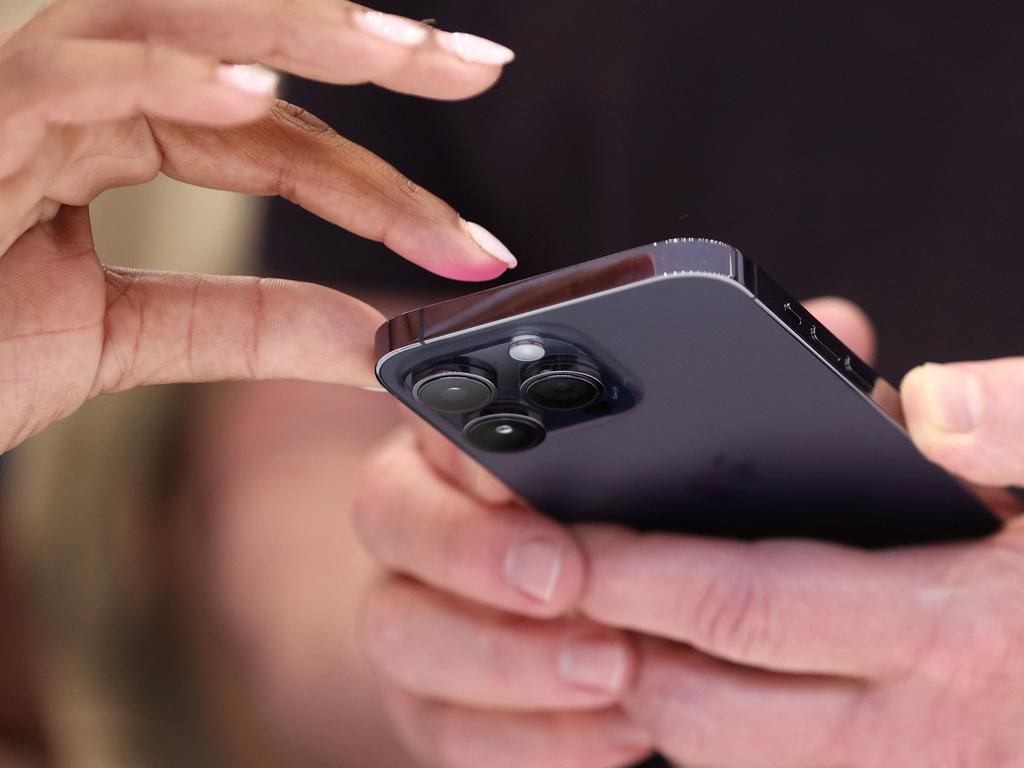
pixel 508 640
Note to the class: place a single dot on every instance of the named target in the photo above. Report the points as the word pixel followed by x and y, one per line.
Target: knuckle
pixel 292 116
pixel 256 329
pixel 405 188
pixel 736 615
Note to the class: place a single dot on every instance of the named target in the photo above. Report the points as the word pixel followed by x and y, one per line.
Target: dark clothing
pixel 875 152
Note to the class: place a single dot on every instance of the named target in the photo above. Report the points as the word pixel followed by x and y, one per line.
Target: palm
pixel 55 294
pixel 52 304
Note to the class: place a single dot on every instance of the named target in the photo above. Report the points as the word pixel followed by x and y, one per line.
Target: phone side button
pixel 857 373
pixel 825 343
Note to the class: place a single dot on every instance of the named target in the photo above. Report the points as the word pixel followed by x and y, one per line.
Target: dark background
pixel 872 151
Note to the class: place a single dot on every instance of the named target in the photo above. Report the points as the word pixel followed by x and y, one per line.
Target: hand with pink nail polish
pixel 100 95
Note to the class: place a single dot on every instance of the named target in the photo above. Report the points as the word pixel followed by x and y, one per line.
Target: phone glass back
pixel 728 409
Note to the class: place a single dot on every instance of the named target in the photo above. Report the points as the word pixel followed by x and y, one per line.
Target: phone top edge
pixel 665 258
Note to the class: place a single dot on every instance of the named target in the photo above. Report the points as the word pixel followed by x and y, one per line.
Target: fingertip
pixel 544 568
pixel 474 49
pixel 600 660
pixel 250 79
pixel 490 244
pixel 940 417
pixel 447 245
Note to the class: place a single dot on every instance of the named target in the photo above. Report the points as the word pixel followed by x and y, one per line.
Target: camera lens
pixel 456 389
pixel 504 432
pixel 562 385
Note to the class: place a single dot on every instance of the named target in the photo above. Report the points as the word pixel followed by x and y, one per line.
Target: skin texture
pixel 719 654
pixel 101 94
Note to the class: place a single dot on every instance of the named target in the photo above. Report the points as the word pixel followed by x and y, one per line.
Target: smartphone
pixel 674 387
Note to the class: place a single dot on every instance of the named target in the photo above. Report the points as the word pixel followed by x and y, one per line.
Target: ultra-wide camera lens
pixel 504 432
pixel 456 389
pixel 562 385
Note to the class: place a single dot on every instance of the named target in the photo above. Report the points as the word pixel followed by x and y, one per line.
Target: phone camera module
pixel 455 389
pixel 562 385
pixel 504 432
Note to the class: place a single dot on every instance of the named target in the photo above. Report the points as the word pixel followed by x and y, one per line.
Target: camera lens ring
pixel 504 432
pixel 591 391
pixel 477 387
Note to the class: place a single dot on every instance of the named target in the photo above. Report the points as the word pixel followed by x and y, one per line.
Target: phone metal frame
pixel 667 259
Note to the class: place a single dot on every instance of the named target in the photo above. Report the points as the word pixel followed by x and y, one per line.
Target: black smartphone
pixel 674 387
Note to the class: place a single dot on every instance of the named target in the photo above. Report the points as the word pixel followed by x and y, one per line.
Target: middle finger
pixel 505 557
pixel 439 647
pixel 328 40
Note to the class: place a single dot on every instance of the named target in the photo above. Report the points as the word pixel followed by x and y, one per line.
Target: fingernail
pixel 477 50
pixel 490 243
pixel 249 78
pixel 953 398
pixel 595 663
pixel 394 29
pixel 533 567
pixel 374 389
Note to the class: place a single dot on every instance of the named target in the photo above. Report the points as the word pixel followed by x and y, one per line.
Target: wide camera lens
pixel 455 390
pixel 504 432
pixel 566 385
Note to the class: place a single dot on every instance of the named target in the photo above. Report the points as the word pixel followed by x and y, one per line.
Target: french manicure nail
pixel 249 78
pixel 476 50
pixel 598 664
pixel 490 243
pixel 533 567
pixel 395 29
pixel 954 399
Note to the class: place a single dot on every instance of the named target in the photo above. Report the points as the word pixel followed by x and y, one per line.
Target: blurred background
pixel 116 648
pixel 178 577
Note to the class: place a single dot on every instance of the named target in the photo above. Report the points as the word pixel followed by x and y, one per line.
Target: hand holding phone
pixel 879 632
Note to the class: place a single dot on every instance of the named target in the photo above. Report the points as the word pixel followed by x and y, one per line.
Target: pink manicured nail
pixel 595 663
pixel 477 50
pixel 533 567
pixel 249 78
pixel 395 29
pixel 490 243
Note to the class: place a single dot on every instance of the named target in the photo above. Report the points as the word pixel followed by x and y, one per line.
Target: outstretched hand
pixel 95 95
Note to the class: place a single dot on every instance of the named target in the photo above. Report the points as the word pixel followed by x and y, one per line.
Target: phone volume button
pixel 825 342
pixel 859 374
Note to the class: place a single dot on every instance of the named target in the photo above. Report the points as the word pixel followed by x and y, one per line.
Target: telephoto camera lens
pixel 563 384
pixel 504 432
pixel 455 388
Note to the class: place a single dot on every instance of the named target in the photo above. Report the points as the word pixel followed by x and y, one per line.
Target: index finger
pixel 329 40
pixel 506 557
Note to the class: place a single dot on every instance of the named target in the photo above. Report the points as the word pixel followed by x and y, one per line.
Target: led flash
pixel 526 349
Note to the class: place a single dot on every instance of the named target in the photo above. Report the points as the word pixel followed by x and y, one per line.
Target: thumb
pixel 163 327
pixel 969 418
